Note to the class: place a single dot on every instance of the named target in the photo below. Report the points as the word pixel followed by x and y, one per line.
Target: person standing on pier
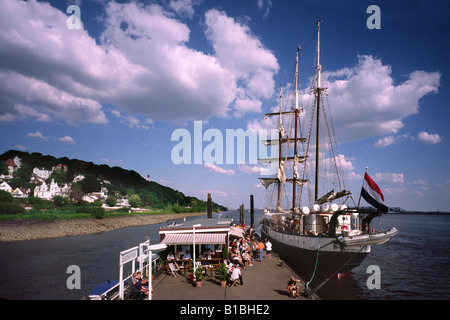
pixel 260 249
pixel 268 249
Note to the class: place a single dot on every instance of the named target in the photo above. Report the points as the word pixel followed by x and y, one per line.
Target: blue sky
pixel 114 91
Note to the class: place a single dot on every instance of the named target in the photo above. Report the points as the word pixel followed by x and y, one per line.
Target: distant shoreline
pixel 20 230
pixel 439 213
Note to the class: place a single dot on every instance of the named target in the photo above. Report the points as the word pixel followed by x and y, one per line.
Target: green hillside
pixel 118 181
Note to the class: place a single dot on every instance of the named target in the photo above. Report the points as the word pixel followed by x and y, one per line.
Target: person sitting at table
pixel 170 256
pixel 237 259
pixel 187 255
pixel 208 254
pixel 247 258
pixel 229 265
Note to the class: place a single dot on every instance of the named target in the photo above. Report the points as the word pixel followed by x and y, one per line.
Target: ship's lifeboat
pixel 379 237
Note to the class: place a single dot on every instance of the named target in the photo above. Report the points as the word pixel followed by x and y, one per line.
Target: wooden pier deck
pixel 264 280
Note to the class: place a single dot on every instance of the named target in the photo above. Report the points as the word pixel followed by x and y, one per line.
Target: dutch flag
pixel 372 194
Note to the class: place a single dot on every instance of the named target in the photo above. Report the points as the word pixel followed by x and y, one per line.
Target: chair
pixel 233 282
pixel 173 269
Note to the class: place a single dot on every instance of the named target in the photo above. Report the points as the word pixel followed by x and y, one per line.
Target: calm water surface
pixel 415 264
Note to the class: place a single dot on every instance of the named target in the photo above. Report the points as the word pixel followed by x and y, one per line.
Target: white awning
pixel 200 238
pixel 238 232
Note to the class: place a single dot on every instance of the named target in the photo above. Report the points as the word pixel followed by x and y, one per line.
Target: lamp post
pixel 193 240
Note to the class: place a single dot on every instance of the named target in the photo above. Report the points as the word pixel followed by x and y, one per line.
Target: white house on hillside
pixel 5 187
pixel 13 164
pixel 43 174
pixel 20 192
pixel 47 192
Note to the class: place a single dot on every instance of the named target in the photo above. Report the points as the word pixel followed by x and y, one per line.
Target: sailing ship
pixel 327 236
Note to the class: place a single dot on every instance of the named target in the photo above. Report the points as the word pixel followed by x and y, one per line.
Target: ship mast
pixel 280 138
pixel 317 90
pixel 296 112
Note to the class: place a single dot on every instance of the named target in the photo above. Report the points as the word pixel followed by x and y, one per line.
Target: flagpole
pixel 360 194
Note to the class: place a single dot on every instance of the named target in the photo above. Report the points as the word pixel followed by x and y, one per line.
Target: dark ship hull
pixel 302 258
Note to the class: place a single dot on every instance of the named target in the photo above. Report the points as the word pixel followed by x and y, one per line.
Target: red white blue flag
pixel 372 194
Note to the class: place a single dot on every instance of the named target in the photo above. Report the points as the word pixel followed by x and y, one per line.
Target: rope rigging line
pixel 315 267
pixel 326 280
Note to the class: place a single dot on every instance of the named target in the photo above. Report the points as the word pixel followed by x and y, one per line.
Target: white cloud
pixel 20 147
pixel 239 51
pixel 214 192
pixel 182 7
pixel 213 167
pixel 390 178
pixel 250 169
pixel 429 138
pixel 38 135
pixel 267 4
pixel 366 102
pixel 141 64
pixel 130 120
pixel 66 139
pixel 420 182
pixel 384 142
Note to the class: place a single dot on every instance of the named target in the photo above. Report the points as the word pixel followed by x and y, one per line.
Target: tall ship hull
pixel 303 254
pixel 323 244
pixel 315 234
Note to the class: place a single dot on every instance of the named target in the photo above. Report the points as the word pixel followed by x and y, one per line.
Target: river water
pixel 415 264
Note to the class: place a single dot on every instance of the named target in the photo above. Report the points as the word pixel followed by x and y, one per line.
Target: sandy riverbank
pixel 31 230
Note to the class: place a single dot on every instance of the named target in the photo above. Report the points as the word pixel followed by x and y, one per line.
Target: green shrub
pixel 11 208
pixel 5 197
pixel 111 201
pixel 96 212
pixel 60 201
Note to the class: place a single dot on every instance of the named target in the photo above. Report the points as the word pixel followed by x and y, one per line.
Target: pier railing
pixel 145 259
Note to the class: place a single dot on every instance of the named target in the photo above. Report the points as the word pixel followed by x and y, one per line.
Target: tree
pixel 60 177
pixel 135 201
pixel 111 201
pixel 5 197
pixel 60 201
pixel 76 195
pixel 3 168
pixel 21 177
pixel 90 184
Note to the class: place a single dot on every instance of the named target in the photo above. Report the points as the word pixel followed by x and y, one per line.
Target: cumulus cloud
pixel 366 102
pixel 384 142
pixel 66 139
pixel 38 135
pixel 141 64
pixel 182 7
pixel 214 192
pixel 239 51
pixel 389 178
pixel 213 167
pixel 250 169
pixel 429 138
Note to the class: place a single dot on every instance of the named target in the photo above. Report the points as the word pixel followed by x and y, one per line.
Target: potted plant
pixel 222 271
pixel 225 254
pixel 198 276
